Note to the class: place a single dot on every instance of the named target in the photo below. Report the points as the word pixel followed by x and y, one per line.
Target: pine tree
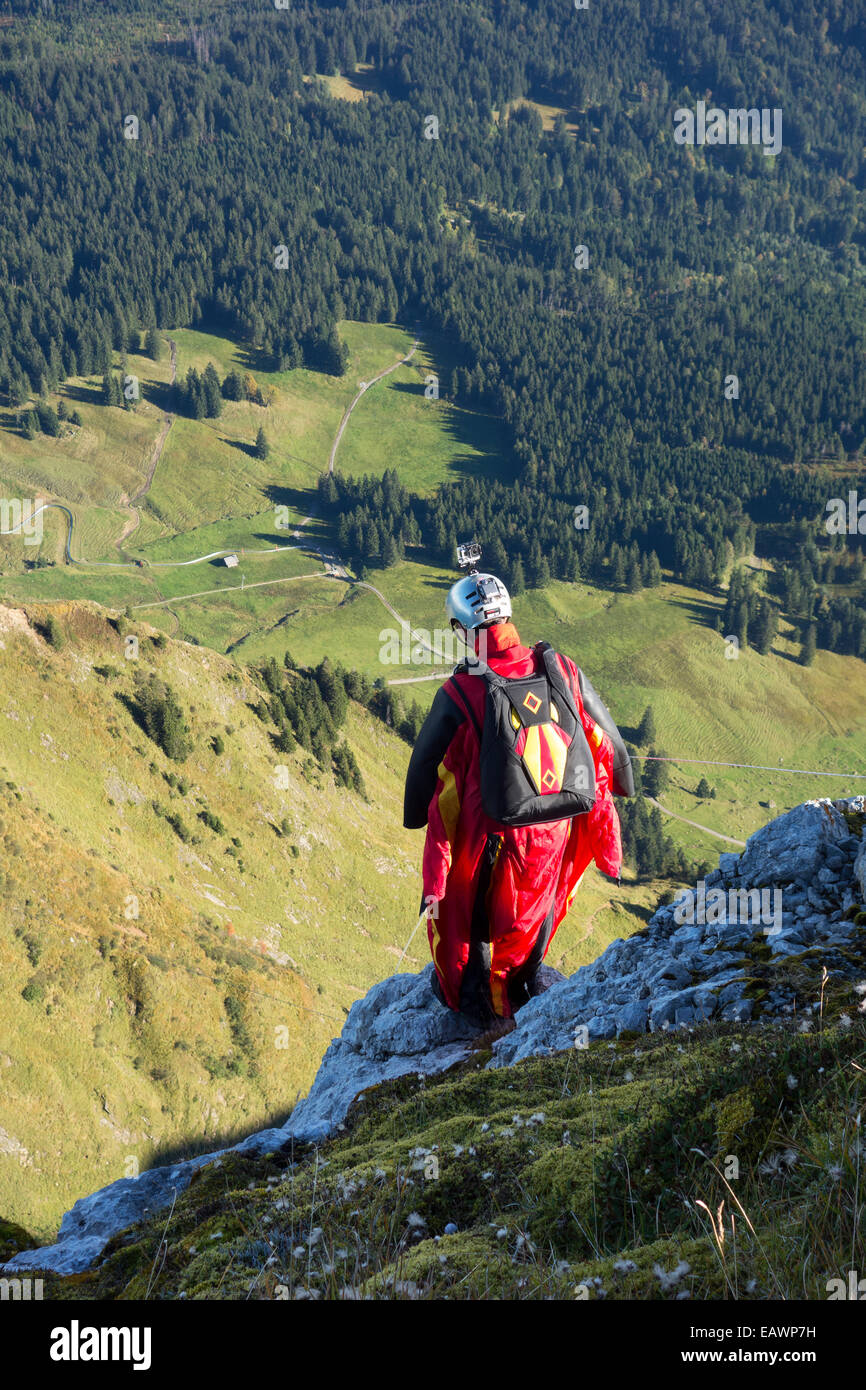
pixel 233 387
pixel 656 775
pixel 654 571
pixel 162 718
pixel 49 421
pixel 741 623
pixel 763 630
pixel 213 401
pixel 152 344
pixel 285 738
pixel 332 690
pixel 271 675
pixel 646 730
pixel 809 645
pixel 542 573
pixel 262 447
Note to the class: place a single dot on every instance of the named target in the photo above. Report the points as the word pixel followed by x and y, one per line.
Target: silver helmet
pixel 478 599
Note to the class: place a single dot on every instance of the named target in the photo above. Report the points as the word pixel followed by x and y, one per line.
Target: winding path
pixel 134 521
pixel 134 564
pixel 229 588
pixel 364 387
pixel 334 570
pixel 716 834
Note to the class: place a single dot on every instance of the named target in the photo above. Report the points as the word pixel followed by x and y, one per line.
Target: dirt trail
pixel 717 835
pixel 229 588
pixel 365 386
pixel 134 520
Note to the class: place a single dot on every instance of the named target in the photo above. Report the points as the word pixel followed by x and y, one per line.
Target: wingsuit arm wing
pixel 623 776
pixel 438 730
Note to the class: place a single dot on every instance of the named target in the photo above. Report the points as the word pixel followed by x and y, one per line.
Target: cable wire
pixel 754 767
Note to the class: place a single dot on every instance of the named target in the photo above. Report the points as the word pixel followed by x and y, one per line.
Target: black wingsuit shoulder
pixel 437 731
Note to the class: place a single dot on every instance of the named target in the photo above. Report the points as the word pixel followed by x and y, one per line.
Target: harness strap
pixel 557 679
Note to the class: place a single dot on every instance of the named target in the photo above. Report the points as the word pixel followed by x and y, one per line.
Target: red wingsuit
pixel 499 893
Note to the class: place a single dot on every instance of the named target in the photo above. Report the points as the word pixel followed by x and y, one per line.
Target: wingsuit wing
pixel 623 775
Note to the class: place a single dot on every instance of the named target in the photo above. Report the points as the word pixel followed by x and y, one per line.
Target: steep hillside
pixel 179 940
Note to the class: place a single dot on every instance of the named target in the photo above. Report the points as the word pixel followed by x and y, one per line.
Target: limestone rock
pixel 793 845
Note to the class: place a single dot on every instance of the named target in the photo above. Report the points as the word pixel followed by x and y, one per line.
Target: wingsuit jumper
pixel 520 733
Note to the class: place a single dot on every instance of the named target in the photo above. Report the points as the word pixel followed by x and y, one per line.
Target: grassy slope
pixel 109 1062
pixel 649 648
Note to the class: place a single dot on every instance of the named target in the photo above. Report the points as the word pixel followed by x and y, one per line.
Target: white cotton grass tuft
pixel 778 1164
pixel 668 1279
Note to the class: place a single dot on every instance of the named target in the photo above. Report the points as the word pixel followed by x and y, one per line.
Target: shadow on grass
pixel 251 359
pixel 409 388
pixel 133 708
pixel 701 611
pixel 488 436
pixel 279 538
pixel 241 446
pixel 161 394
pixel 638 910
pixel 88 394
pixel 304 500
pixel 166 1155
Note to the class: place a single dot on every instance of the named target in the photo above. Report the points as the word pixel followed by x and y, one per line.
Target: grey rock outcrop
pixel 793 846
pixel 860 871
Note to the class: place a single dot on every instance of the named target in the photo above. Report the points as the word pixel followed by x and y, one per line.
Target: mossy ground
pixel 591 1173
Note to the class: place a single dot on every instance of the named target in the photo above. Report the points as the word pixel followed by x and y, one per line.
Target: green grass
pixel 338 915
pixel 653 648
pixel 99 463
